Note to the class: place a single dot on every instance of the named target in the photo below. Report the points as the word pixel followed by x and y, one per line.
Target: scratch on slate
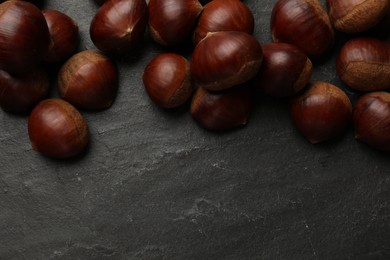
pixel 310 233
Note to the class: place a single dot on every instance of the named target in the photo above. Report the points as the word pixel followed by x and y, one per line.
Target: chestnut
pixel 303 23
pixel 222 110
pixel 24 36
pixel 364 64
pixel 167 80
pixel 371 119
pixel 354 16
pixel 57 129
pixel 119 25
pixel 224 15
pixel 285 70
pixel 322 112
pixel 225 59
pixel 20 94
pixel 172 22
pixel 64 36
pixel 88 80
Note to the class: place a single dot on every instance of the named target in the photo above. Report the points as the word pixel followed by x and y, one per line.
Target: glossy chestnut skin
pixel 322 112
pixel 88 80
pixel 167 80
pixel 303 23
pixel 285 70
pixel 371 118
pixel 20 94
pixel 57 129
pixel 64 35
pixel 172 22
pixel 24 36
pixel 222 110
pixel 119 25
pixel 364 64
pixel 225 59
pixel 224 15
pixel 354 16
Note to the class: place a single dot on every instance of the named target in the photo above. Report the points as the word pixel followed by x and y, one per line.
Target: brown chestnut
pixel 364 64
pixel 225 59
pixel 223 109
pixel 167 80
pixel 322 112
pixel 224 15
pixel 371 118
pixel 24 36
pixel 64 36
pixel 354 16
pixel 172 22
pixel 88 80
pixel 119 25
pixel 20 94
pixel 285 70
pixel 303 23
pixel 57 129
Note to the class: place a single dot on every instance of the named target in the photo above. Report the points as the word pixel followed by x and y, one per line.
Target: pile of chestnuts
pixel 227 64
pixel 32 40
pixel 226 67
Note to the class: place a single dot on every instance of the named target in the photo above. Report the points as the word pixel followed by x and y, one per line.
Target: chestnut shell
pixel 371 118
pixel 57 129
pixel 20 94
pixel 364 64
pixel 322 112
pixel 224 15
pixel 222 110
pixel 167 80
pixel 303 23
pixel 88 80
pixel 64 35
pixel 285 70
pixel 355 16
pixel 119 25
pixel 24 36
pixel 225 59
pixel 172 22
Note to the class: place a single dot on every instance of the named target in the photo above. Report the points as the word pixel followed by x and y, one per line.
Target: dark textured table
pixel 153 185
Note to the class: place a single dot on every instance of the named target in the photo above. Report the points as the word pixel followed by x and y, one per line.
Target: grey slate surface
pixel 153 185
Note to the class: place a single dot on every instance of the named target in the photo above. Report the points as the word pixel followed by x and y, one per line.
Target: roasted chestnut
pixel 322 112
pixel 354 16
pixel 285 70
pixel 24 36
pixel 371 118
pixel 167 80
pixel 172 21
pixel 57 129
pixel 364 64
pixel 224 15
pixel 20 94
pixel 303 23
pixel 119 25
pixel 223 109
pixel 88 80
pixel 225 59
pixel 64 36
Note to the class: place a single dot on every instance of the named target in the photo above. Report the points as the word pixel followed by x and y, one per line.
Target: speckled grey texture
pixel 153 185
